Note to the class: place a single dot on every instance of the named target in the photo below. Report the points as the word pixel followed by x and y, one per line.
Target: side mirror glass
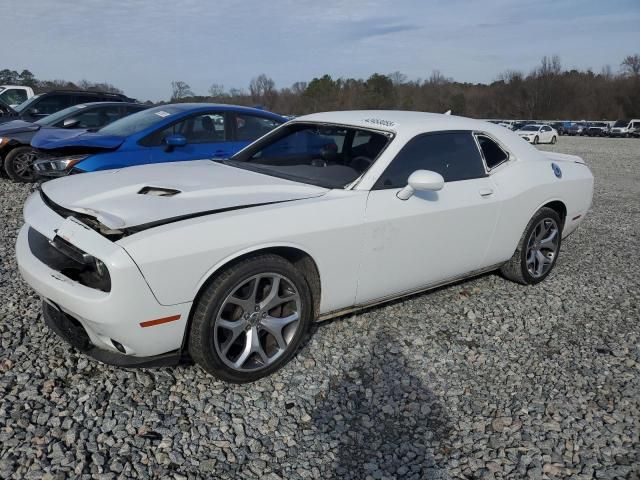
pixel 71 123
pixel 175 140
pixel 421 181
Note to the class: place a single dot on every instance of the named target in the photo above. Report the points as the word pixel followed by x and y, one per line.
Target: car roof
pixel 192 107
pixel 115 104
pixel 397 121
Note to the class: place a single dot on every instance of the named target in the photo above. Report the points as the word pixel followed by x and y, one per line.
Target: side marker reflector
pixel 159 321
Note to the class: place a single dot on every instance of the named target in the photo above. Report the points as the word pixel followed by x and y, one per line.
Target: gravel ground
pixel 482 379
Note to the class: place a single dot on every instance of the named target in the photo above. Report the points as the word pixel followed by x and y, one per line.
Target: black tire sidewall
pixel 218 292
pixel 9 167
pixel 537 218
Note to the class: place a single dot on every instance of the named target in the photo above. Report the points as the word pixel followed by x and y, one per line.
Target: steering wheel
pixel 360 163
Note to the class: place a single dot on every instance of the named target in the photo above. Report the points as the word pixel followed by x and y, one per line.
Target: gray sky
pixel 142 45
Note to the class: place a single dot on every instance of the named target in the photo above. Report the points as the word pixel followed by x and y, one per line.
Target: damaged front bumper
pixel 121 318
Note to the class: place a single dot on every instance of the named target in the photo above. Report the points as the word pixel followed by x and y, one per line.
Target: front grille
pixel 69 260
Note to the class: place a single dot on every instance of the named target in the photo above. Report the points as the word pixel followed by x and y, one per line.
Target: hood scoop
pixel 158 191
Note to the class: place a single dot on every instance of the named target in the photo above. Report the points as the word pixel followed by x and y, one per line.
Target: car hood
pixel 117 198
pixel 18 126
pixel 53 139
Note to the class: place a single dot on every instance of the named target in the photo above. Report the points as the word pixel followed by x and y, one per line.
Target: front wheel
pixel 535 140
pixel 17 165
pixel 251 319
pixel 537 250
pixel 553 140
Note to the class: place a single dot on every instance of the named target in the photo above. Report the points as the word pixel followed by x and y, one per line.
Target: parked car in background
pixel 538 133
pixel 168 133
pixel 625 128
pixel 560 127
pixel 14 95
pixel 597 129
pixel 16 153
pixel 231 261
pixel 577 128
pixel 39 106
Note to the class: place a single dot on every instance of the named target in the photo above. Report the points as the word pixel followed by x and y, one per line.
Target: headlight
pixel 57 166
pixel 3 141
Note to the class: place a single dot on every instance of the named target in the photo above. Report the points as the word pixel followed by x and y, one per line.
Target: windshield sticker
pixel 163 114
pixel 381 122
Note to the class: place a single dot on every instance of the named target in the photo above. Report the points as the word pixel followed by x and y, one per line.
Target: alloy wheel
pixel 22 166
pixel 257 321
pixel 542 247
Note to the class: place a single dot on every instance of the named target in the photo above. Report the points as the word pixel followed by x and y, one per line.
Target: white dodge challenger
pixel 229 261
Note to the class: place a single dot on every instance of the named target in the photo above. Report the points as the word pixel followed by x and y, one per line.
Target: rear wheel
pixel 251 319
pixel 17 165
pixel 537 250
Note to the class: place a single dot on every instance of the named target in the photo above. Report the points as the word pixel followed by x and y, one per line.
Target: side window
pixel 52 104
pixel 204 128
pixel 98 117
pixel 130 110
pixel 13 97
pixel 251 127
pixel 454 155
pixel 493 154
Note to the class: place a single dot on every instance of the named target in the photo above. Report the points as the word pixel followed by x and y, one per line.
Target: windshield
pixel 530 128
pixel 330 156
pixel 56 117
pixel 139 121
pixel 24 105
pixel 598 124
pixel 621 123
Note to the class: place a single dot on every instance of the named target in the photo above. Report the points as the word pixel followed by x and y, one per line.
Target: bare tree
pixel 437 78
pixel 263 91
pixel 180 90
pixel 398 78
pixel 631 65
pixel 216 90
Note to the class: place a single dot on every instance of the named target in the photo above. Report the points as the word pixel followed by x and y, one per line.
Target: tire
pixel 216 343
pixel 553 140
pixel 14 165
pixel 535 140
pixel 518 268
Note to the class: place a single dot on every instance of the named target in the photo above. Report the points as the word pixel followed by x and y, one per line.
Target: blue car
pixel 169 133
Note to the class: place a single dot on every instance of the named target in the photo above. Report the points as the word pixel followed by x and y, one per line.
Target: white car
pixel 230 261
pixel 536 133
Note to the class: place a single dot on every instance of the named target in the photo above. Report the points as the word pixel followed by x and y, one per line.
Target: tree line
pixel 546 92
pixel 28 79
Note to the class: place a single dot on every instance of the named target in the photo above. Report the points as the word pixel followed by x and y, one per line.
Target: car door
pixel 205 134
pixel 546 134
pixel 433 236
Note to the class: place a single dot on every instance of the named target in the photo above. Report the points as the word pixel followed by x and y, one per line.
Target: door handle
pixel 485 192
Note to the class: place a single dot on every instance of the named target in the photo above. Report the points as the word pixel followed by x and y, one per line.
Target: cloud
pixel 377 26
